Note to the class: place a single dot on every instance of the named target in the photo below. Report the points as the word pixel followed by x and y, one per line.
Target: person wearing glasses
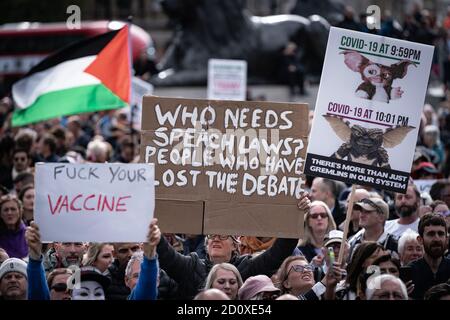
pixel 190 271
pixel 373 215
pixel 318 223
pixel 21 162
pixel 296 277
pixel 57 284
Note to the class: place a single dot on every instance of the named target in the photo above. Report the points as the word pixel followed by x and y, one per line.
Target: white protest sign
pixel 139 88
pixel 108 202
pixel 424 185
pixel 227 79
pixel 371 94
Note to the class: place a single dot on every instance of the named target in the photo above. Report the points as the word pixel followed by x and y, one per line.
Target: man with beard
pixel 64 255
pixel 433 268
pixel 407 206
pixel 118 290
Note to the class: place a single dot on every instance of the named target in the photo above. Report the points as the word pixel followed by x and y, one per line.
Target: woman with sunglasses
pixel 296 277
pixel 318 223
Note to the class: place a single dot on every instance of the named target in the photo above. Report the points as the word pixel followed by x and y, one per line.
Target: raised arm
pixel 147 285
pixel 37 283
pixel 179 267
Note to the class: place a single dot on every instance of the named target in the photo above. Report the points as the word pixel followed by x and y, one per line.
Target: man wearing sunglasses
pixel 57 283
pixel 21 162
pixel 373 214
pixel 190 271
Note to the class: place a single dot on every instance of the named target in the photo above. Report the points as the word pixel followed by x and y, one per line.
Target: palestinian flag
pixel 90 75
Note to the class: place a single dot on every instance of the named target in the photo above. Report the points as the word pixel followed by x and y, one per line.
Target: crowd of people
pixel 396 247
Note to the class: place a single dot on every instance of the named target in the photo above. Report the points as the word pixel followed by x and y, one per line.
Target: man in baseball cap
pixel 373 214
pixel 13 280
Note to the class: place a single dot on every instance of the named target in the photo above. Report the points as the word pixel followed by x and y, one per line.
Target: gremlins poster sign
pixel 368 110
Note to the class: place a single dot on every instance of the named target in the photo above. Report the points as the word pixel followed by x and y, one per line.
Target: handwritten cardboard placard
pixel 370 99
pixel 107 202
pixel 226 167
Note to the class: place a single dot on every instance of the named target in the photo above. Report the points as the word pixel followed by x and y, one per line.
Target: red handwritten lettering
pixel 84 203
pixel 72 207
pixel 91 202
pixel 119 203
pixel 53 210
pixel 65 203
pixel 105 203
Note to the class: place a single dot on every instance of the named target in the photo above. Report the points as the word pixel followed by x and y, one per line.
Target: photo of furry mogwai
pixel 364 145
pixel 377 78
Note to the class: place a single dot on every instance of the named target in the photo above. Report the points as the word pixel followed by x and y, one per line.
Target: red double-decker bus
pixel 23 45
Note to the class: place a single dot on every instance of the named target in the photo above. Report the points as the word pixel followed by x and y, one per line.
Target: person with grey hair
pixel 431 140
pixel 141 273
pixel 386 287
pixel 409 248
pixel 98 150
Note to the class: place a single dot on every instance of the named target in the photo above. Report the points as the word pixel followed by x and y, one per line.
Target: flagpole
pixel 132 107
pixel 347 225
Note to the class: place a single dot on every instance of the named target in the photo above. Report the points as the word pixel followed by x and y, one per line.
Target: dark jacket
pixel 308 251
pixel 423 278
pixel 117 289
pixel 190 271
pixel 168 288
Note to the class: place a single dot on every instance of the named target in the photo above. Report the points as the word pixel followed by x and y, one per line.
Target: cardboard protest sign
pixel 226 167
pixel 107 202
pixel 370 99
pixel 227 79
